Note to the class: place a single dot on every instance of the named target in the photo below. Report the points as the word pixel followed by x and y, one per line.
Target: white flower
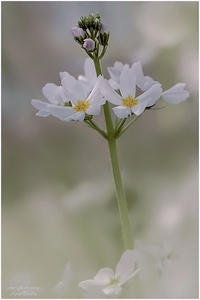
pixel 127 102
pixel 76 102
pixel 143 82
pixel 176 94
pixel 115 73
pixel 110 282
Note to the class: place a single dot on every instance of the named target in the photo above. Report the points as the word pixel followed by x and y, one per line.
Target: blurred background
pixel 58 197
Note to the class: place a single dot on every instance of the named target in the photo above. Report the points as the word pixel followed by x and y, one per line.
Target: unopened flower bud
pixel 77 31
pixel 103 28
pixel 89 44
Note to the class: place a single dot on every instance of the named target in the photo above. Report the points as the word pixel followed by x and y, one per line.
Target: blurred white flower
pixel 176 94
pixel 127 102
pixel 162 254
pixel 111 282
pixel 71 101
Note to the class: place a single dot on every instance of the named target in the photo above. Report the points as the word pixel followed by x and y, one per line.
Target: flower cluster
pixel 90 33
pixel 80 99
pixel 144 259
pixel 75 100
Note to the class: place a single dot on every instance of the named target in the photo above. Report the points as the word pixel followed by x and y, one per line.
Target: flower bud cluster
pixel 90 33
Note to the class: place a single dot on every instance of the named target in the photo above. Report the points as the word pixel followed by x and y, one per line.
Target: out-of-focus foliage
pixel 58 199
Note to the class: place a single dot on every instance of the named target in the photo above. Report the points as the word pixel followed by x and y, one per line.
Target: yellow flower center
pixel 82 105
pixel 129 101
pixel 114 281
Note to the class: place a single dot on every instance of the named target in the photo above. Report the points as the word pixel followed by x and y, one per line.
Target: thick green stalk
pixel 121 198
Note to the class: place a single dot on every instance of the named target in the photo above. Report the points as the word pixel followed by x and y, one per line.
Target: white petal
pixel 143 82
pixel 78 116
pixel 49 91
pixel 40 105
pixel 93 110
pixel 82 78
pixel 86 86
pixel 61 112
pixel 126 265
pixel 69 83
pixel 114 74
pixel 151 96
pixel 127 83
pixel 137 67
pixel 61 96
pixel 176 94
pixel 109 93
pixel 148 83
pixel 116 71
pixel 43 113
pixel 90 72
pixel 112 290
pixel 113 84
pixel 63 74
pixel 96 95
pixel 122 112
pixel 134 273
pixel 43 108
pixel 104 275
pixel 178 86
pixel 79 93
pixel 138 109
pixel 87 284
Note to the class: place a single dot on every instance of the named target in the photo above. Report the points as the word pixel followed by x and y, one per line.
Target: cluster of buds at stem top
pixel 91 33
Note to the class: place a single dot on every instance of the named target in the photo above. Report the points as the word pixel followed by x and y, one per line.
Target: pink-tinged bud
pixel 89 44
pixel 77 31
pixel 103 28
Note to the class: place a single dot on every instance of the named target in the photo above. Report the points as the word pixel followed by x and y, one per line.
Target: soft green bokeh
pixel 58 200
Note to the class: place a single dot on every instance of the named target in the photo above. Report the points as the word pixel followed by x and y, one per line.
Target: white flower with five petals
pixel 76 101
pixel 127 102
pixel 111 282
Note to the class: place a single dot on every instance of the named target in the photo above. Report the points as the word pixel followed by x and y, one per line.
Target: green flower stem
pixel 119 127
pixel 121 198
pixel 103 52
pixel 96 127
pixel 126 127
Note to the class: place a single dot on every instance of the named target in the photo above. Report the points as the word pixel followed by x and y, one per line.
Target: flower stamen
pixel 129 101
pixel 82 105
pixel 114 281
